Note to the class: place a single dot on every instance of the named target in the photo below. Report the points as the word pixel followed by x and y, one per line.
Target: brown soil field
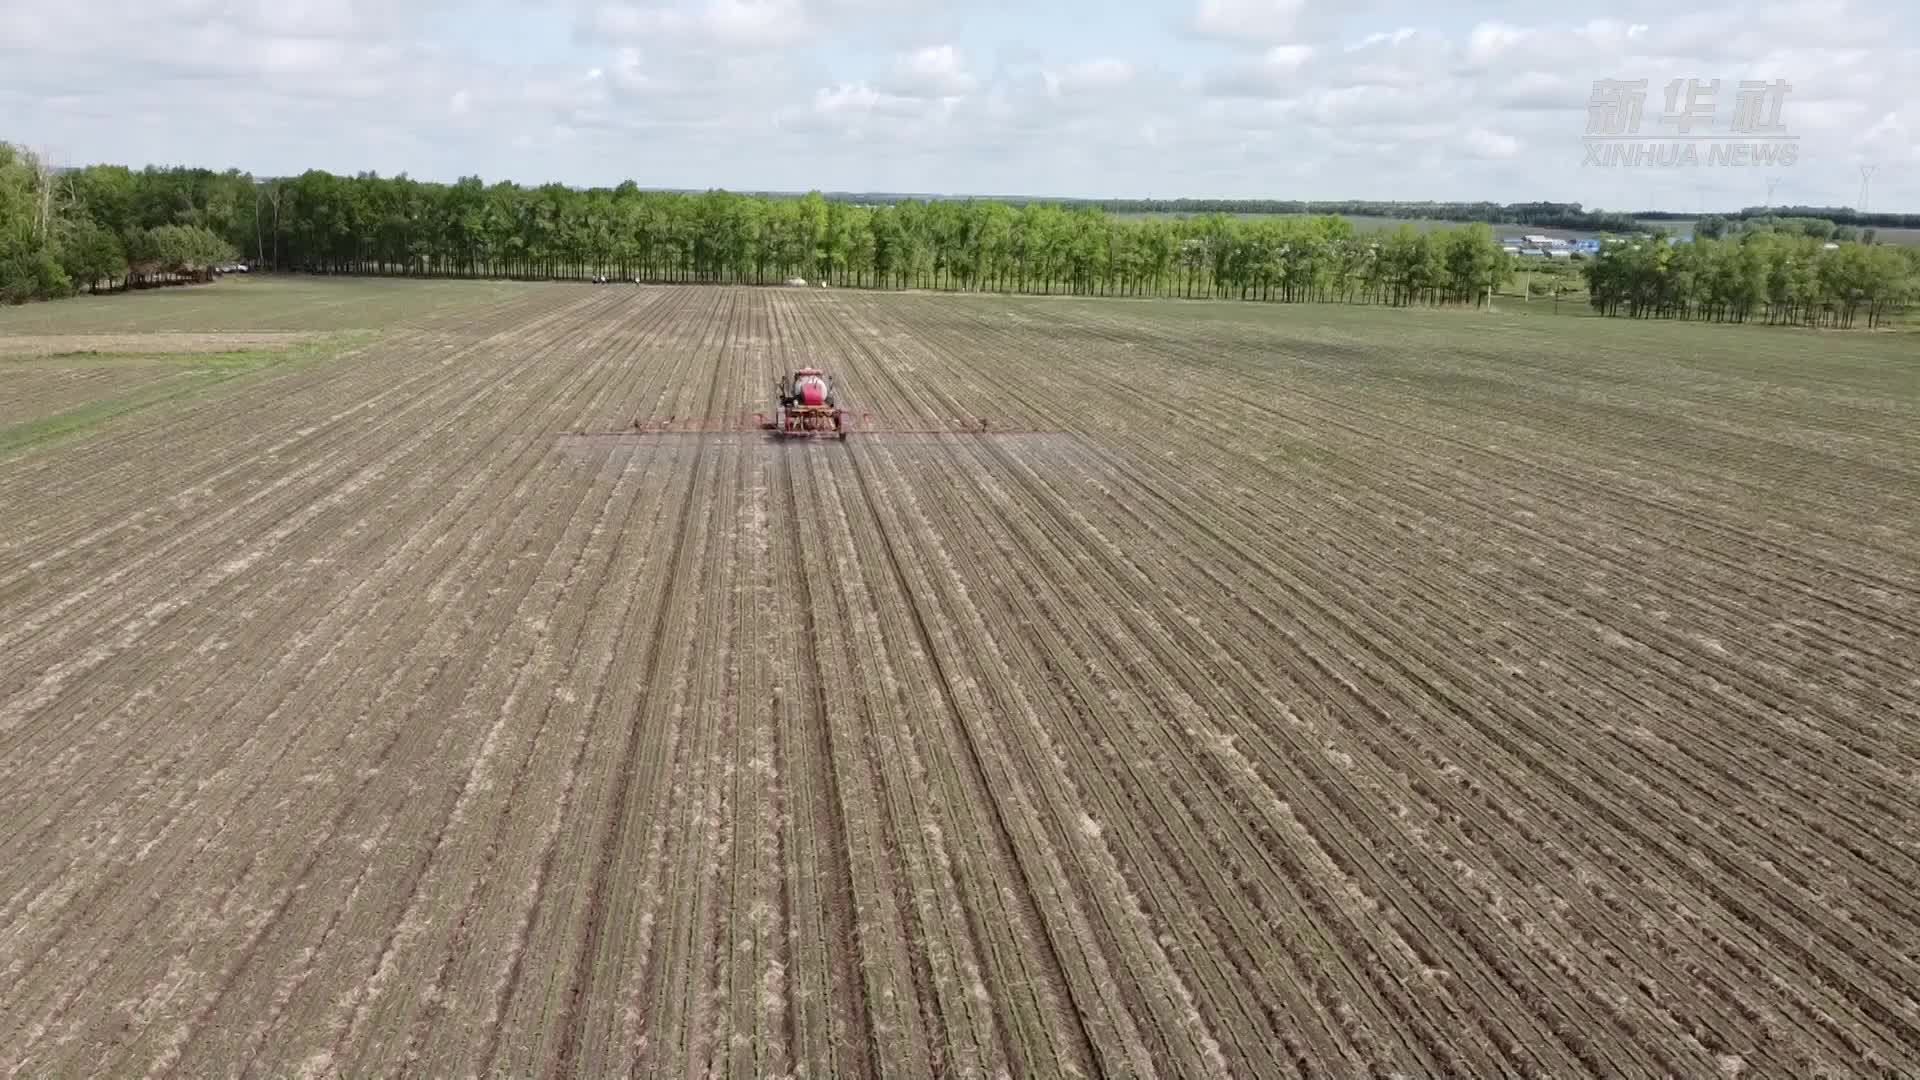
pixel 32 390
pixel 41 345
pixel 1271 692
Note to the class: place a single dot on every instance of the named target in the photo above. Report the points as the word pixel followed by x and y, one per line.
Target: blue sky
pixel 1383 99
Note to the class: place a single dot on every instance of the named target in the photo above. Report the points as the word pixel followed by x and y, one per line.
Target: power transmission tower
pixel 1866 186
pixel 1772 183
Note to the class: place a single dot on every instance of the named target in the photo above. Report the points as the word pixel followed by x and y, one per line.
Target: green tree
pixel 175 222
pixel 91 254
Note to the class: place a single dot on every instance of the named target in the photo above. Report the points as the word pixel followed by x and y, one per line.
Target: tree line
pixel 1715 226
pixel 105 222
pixel 1547 215
pixel 53 244
pixel 368 224
pixel 1839 221
pixel 1833 215
pixel 1781 277
pixel 318 222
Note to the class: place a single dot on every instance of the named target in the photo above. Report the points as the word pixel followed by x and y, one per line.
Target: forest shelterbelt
pixel 102 226
pixel 1270 691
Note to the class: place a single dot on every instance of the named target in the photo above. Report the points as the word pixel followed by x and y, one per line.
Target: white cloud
pixel 1496 41
pixel 1396 37
pixel 723 23
pixel 1287 57
pixel 1891 132
pixel 1614 35
pixel 1274 74
pixel 1379 98
pixel 1724 36
pixel 1364 105
pixel 1252 21
pixel 756 21
pixel 630 74
pixel 1492 144
pixel 1489 41
pixel 1090 75
pixel 1543 91
pixel 936 71
pixel 1405 58
pixel 845 98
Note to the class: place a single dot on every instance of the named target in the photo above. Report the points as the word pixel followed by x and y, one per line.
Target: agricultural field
pixel 1271 691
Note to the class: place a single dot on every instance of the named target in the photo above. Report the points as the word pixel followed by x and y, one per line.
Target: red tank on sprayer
pixel 807 408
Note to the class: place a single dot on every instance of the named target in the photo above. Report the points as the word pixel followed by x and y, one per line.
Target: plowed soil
pixel 1311 692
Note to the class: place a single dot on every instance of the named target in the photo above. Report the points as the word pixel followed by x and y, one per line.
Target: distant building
pixel 1589 246
pixel 1560 253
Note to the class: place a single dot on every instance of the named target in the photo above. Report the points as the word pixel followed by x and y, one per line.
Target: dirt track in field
pixel 1259 704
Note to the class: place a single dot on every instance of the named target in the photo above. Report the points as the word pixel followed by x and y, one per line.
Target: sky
pixel 1286 99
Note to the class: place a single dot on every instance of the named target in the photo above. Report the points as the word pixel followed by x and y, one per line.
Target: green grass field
pixel 54 397
pixel 239 304
pixel 70 367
